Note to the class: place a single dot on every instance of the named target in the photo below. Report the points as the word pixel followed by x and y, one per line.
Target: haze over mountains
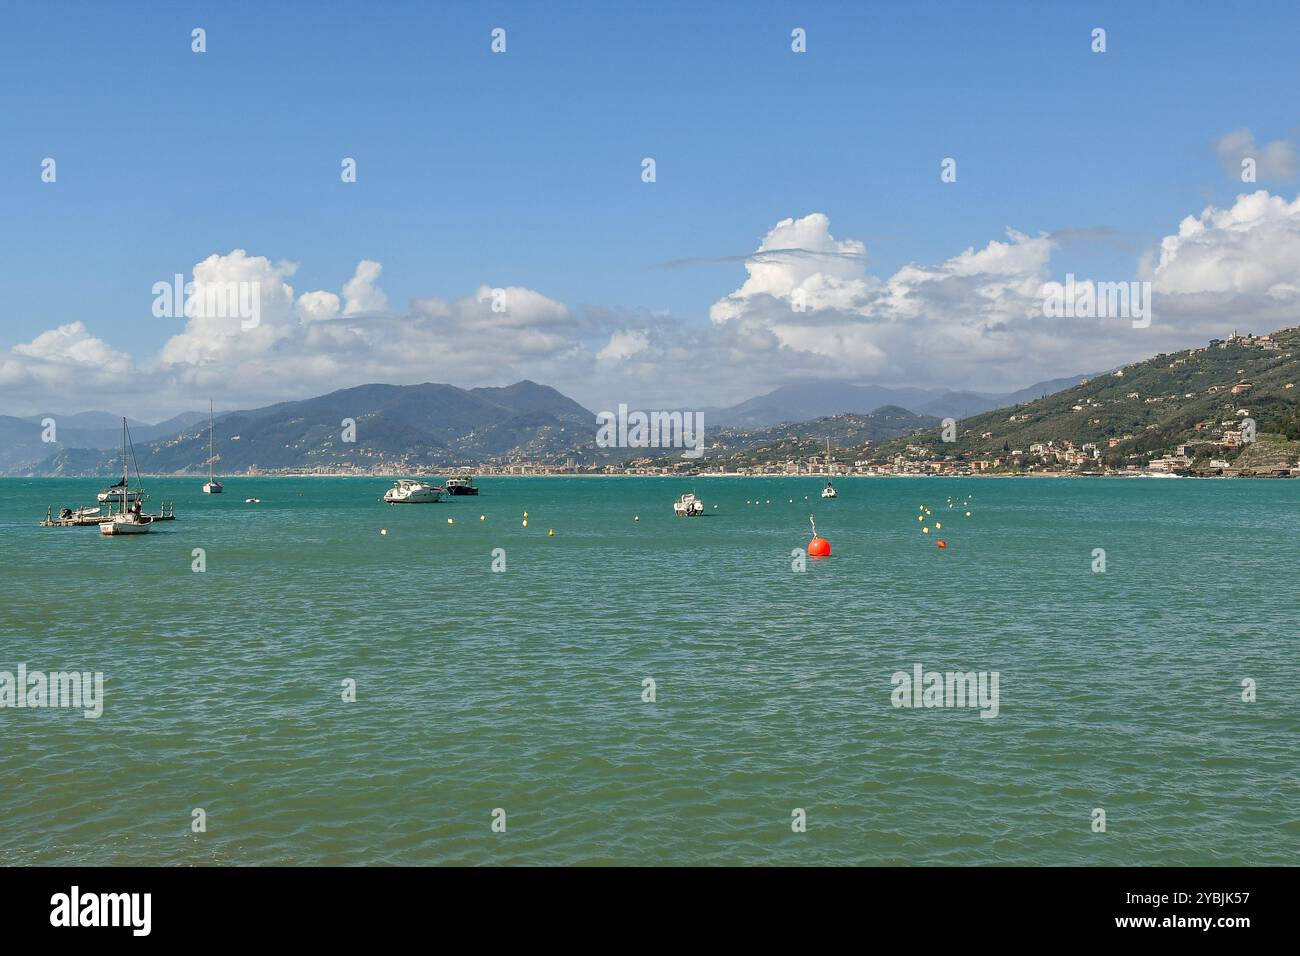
pixel 797 403
pixel 22 446
pixel 431 425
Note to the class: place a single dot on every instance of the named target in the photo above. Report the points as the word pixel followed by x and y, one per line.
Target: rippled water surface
pixel 522 690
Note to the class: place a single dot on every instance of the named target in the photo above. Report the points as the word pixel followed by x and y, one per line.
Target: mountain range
pixel 405 426
pixel 429 426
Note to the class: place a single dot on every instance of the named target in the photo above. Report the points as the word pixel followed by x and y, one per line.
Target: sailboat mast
pixel 126 472
pixel 209 441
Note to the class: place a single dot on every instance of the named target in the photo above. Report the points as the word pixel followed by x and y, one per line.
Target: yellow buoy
pixel 551 533
pixel 968 514
pixel 525 514
pixel 525 522
pixel 925 530
pixel 482 517
pixel 937 526
pixel 449 521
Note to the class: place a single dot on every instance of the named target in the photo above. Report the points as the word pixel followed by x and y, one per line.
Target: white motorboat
pixel 129 519
pixel 688 506
pixel 409 491
pixel 213 487
pixel 80 513
pixel 829 491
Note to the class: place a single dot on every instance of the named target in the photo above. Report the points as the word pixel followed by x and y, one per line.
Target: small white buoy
pixel 383 531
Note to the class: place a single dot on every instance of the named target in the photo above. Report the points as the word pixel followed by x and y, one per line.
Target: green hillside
pixel 1145 410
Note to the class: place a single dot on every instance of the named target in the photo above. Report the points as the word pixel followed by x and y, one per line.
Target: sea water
pixel 662 690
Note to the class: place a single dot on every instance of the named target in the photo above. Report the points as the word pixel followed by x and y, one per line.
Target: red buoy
pixel 818 547
pixel 943 544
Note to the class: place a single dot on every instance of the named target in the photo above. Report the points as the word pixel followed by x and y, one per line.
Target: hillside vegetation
pixel 1147 409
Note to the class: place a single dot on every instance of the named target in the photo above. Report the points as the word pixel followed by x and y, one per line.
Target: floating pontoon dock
pixel 168 513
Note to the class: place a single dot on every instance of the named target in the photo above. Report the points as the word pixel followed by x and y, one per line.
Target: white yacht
pixel 829 491
pixel 409 491
pixel 213 487
pixel 688 506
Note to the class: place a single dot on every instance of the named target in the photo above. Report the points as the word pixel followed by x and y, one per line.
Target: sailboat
pixel 213 487
pixel 129 520
pixel 829 491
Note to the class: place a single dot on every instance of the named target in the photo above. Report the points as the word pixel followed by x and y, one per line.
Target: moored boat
pixel 119 494
pixel 213 487
pixel 129 522
pixel 79 514
pixel 129 518
pixel 829 491
pixel 461 485
pixel 688 506
pixel 410 491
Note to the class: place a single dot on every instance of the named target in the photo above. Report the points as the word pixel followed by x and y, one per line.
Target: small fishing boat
pixel 213 487
pixel 129 519
pixel 129 522
pixel 461 485
pixel 409 491
pixel 688 506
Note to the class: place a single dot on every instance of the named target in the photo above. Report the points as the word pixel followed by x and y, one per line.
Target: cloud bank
pixel 806 308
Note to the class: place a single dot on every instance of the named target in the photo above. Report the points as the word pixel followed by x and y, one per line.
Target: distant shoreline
pixel 396 475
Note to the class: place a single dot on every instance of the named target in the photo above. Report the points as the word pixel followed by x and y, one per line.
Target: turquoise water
pixel 522 690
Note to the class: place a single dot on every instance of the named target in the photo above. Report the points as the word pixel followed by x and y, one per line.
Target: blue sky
pixel 523 169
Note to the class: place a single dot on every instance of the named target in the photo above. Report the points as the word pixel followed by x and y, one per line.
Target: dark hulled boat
pixel 463 485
